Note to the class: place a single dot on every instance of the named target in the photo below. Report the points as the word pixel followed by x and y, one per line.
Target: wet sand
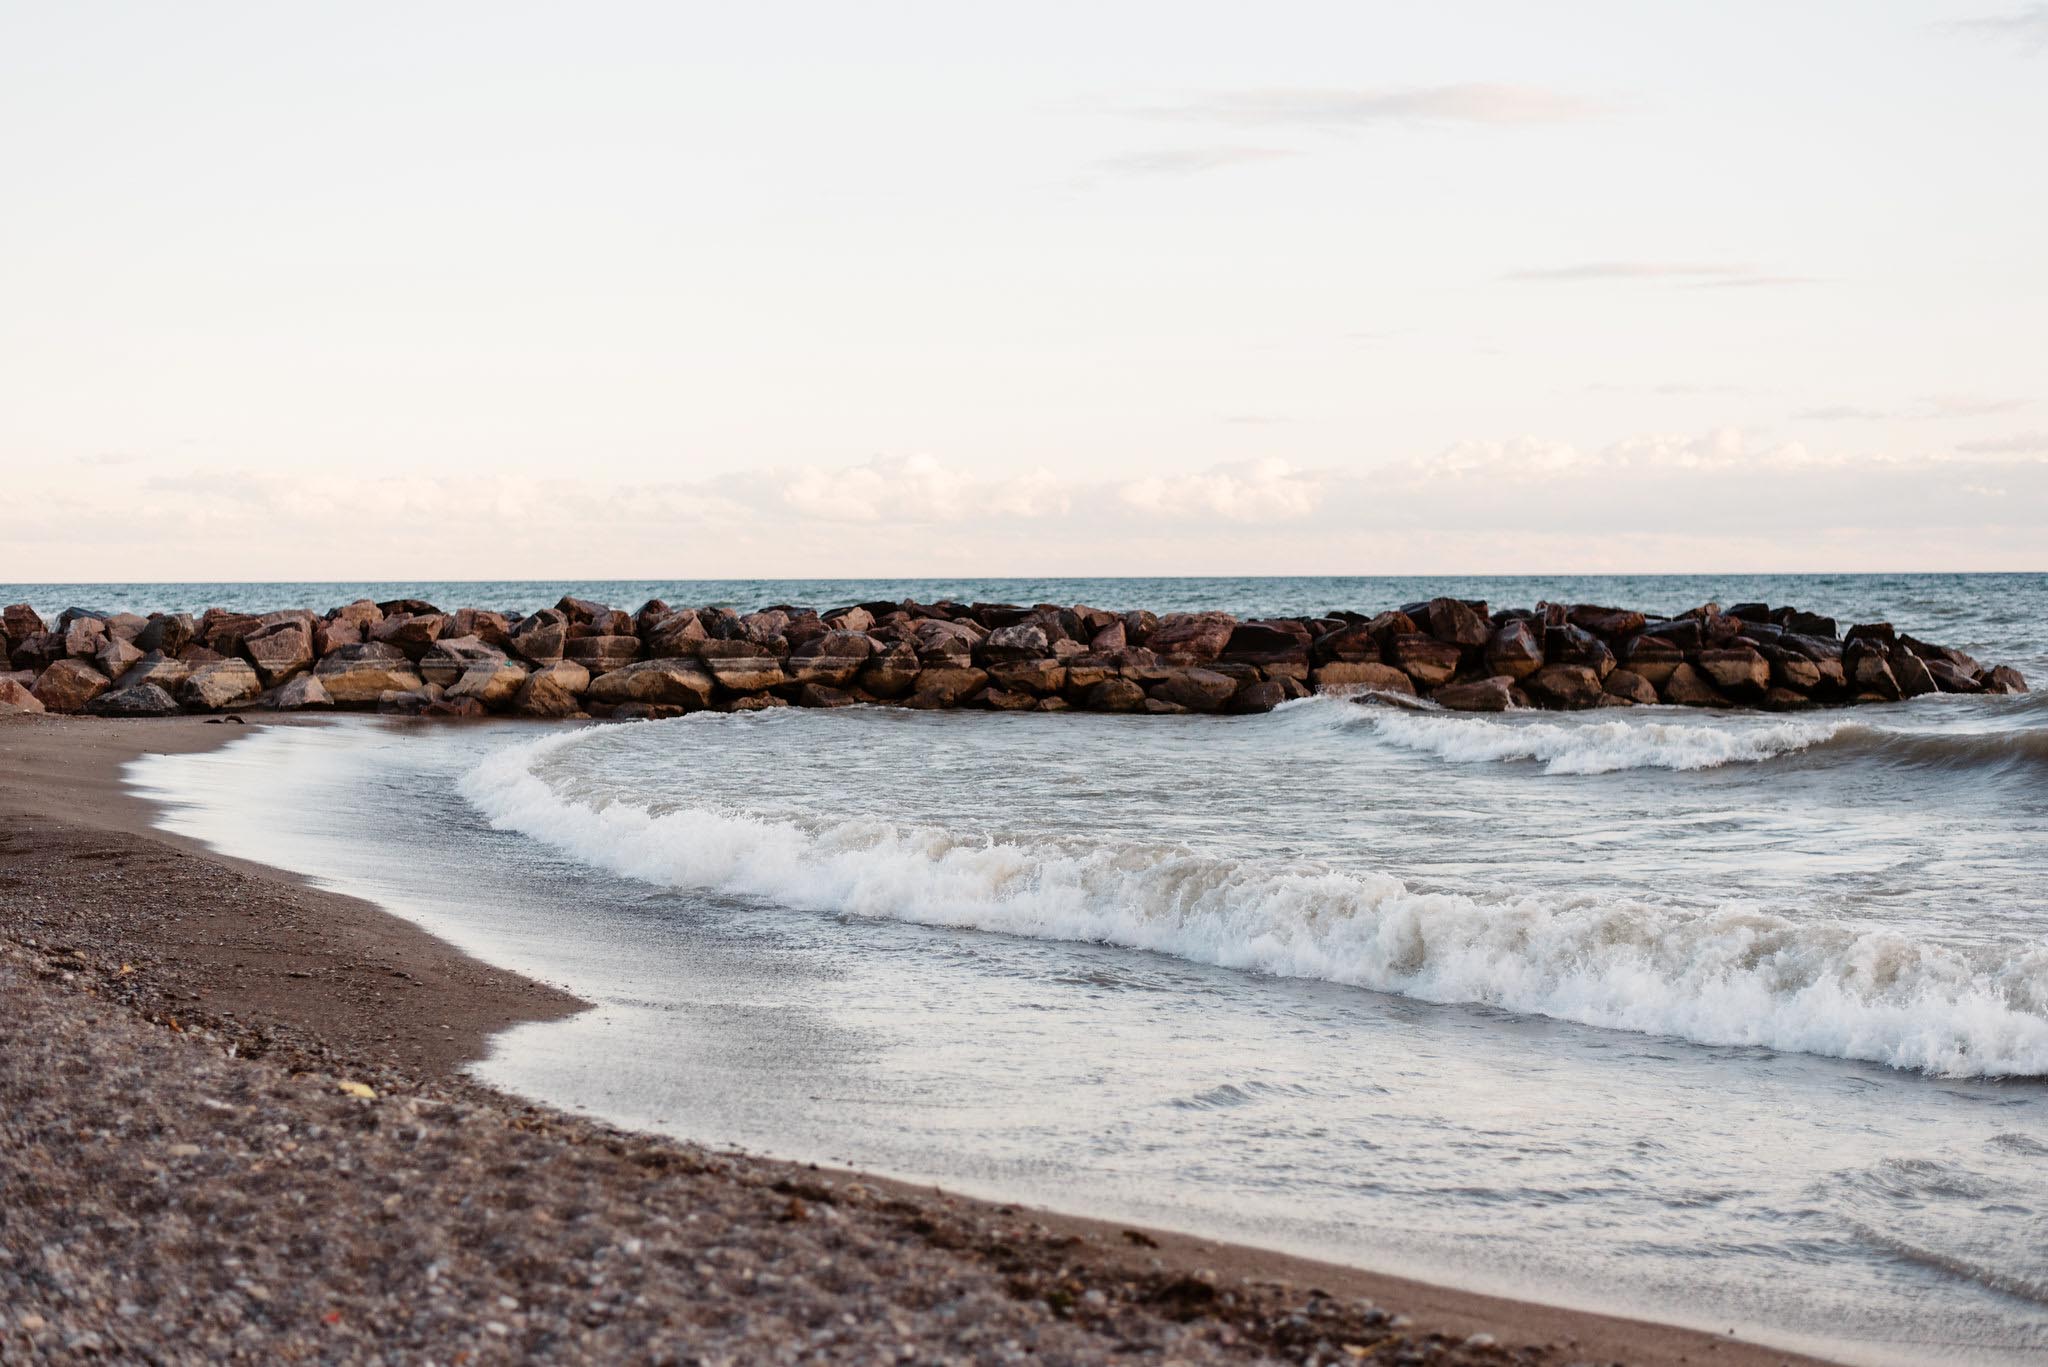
pixel 184 1174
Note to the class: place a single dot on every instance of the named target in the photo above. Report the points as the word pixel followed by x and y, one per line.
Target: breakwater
pixel 586 659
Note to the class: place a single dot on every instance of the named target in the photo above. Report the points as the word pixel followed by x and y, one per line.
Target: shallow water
pixel 1737 1021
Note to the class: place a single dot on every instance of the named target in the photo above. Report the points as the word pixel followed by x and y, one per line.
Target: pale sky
pixel 606 289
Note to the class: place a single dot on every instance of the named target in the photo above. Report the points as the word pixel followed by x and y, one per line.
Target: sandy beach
pixel 193 1170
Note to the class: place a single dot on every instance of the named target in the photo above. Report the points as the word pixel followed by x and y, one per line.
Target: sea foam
pixel 1729 976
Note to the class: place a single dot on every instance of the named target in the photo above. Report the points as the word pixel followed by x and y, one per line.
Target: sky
pixel 788 289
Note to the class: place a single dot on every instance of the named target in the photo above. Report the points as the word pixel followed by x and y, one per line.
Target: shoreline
pixel 337 986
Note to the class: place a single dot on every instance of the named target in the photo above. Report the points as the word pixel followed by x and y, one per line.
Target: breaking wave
pixel 1731 976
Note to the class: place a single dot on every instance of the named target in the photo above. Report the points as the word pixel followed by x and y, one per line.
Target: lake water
pixel 1732 1020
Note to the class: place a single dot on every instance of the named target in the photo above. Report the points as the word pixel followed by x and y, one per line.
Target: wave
pixel 1602 747
pixel 1732 976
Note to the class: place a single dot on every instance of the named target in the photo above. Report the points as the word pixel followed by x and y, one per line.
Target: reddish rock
pixel 1036 677
pixel 361 614
pixel 158 669
pixel 1612 624
pixel 1195 688
pixel 1566 685
pixel 1455 622
pixel 116 657
pixel 945 687
pixel 1110 639
pixel 448 659
pixel 891 672
pixel 84 637
pixel 1866 668
pixel 579 611
pixel 822 695
pixel 210 688
pixel 493 683
pixel 68 685
pixel 1912 673
pixel 1570 645
pixel 851 619
pixel 1629 686
pixel 1184 638
pixel 167 632
pixel 1949 679
pixel 329 637
pixel 542 637
pixel 1687 687
pixel 355 675
pixel 20 621
pixel 600 654
pixel 1738 671
pixel 412 635
pixel 1003 700
pixel 1653 657
pixel 1426 660
pixel 2004 679
pixel 1115 695
pixel 676 683
pixel 1361 676
pixel 1514 650
pixel 16 696
pixel 300 694
pixel 280 650
pixel 543 695
pixel 1784 700
pixel 1493 694
pixel 1792 671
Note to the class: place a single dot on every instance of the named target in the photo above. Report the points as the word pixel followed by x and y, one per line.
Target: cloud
pixel 906 489
pixel 1932 409
pixel 105 458
pixel 1968 406
pixel 1269 490
pixel 2019 444
pixel 1697 274
pixel 1443 105
pixel 1184 161
pixel 1533 460
pixel 2028 27
pixel 1841 412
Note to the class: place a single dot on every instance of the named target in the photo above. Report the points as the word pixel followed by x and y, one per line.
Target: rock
pixel 602 654
pixel 856 619
pixel 84 637
pixel 1263 696
pixel 579 611
pixel 821 695
pixel 1687 687
pixel 410 701
pixel 1426 660
pixel 365 673
pixel 1867 669
pixel 1807 623
pixel 1793 671
pixel 1949 679
pixel 1037 677
pixel 1784 700
pixel 329 637
pixel 158 669
pixel 1612 624
pixel 833 659
pixel 454 709
pixel 1493 694
pixel 750 702
pixel 542 637
pixel 299 694
pixel 1361 675
pixel 16 696
pixel 210 688
pixel 1880 632
pixel 1195 688
pixel 1570 645
pixel 1185 638
pixel 20 621
pixel 135 700
pixel 116 657
pixel 1566 685
pixel 2004 679
pixel 544 694
pixel 167 632
pixel 1110 639
pixel 1114 695
pixel 1003 700
pixel 674 682
pixel 412 635
pixel 1024 641
pixel 448 659
pixel 743 667
pixel 1514 650
pixel 68 685
pixel 945 686
pixel 1455 622
pixel 890 673
pixel 1738 671
pixel 676 636
pixel 1912 673
pixel 1630 686
pixel 493 683
pixel 280 650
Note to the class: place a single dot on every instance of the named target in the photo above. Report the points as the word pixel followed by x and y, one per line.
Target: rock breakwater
pixel 581 659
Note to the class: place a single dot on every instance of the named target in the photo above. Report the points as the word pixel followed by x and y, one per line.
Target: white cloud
pixel 1269 490
pixel 1468 104
pixel 2027 27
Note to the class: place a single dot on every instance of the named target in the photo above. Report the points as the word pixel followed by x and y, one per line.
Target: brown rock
pixel 18 697
pixel 135 700
pixel 1794 671
pixel 411 635
pixel 1003 700
pixel 210 688
pixel 1110 639
pixel 20 621
pixel 1738 671
pixel 84 637
pixel 1570 645
pixel 2004 679
pixel 365 673
pixel 1566 685
pixel 1036 677
pixel 1785 700
pixel 737 673
pixel 300 694
pixel 1613 624
pixel 1629 686
pixel 280 650
pixel 1194 688
pixel 117 657
pixel 362 614
pixel 449 658
pixel 1687 687
pixel 1867 669
pixel 1951 679
pixel 820 695
pixel 1185 638
pixel 68 685
pixel 946 686
pixel 1361 676
pixel 329 637
pixel 675 683
pixel 1456 622
pixel 598 654
pixel 1023 641
pixel 1912 673
pixel 167 632
pixel 544 695
pixel 890 673
pixel 1115 695
pixel 542 637
pixel 158 669
pixel 852 619
pixel 493 683
pixel 1426 660
pixel 1263 696
pixel 1514 650
pixel 1493 694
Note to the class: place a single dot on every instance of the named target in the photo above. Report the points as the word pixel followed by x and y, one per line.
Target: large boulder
pixel 1687 687
pixel 600 654
pixel 493 683
pixel 2004 679
pixel 1114 695
pixel 1454 621
pixel 413 634
pixel 448 659
pixel 1185 638
pixel 16 696
pixel 280 650
pixel 1739 671
pixel 1912 673
pixel 84 637
pixel 210 688
pixel 1566 685
pixel 1040 678
pixel 157 668
pixel 547 694
pixel 1629 686
pixel 1613 624
pixel 1653 657
pixel 675 682
pixel 1570 645
pixel 1495 693
pixel 1515 650
pixel 542 637
pixel 891 672
pixel 134 700
pixel 297 695
pixel 116 657
pixel 1267 695
pixel 1195 688
pixel 945 687
pixel 1428 661
pixel 365 673
pixel 1867 667
pixel 20 621
pixel 1022 641
pixel 1361 676
pixel 68 685
pixel 166 632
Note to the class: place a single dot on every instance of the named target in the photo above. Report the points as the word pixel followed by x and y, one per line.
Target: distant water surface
pixel 1732 1020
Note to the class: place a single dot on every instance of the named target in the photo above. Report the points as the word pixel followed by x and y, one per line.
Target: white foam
pixel 1728 977
pixel 1590 747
